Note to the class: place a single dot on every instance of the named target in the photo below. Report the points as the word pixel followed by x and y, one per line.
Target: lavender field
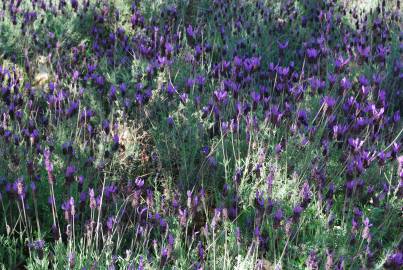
pixel 201 134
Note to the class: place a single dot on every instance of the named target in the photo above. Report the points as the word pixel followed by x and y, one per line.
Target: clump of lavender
pixel 113 108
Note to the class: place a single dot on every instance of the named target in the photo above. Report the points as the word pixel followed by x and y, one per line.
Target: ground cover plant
pixel 183 134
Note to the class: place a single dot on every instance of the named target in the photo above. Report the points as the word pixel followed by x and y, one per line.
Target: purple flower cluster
pixel 299 108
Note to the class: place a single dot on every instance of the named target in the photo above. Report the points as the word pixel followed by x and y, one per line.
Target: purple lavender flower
pixel 48 163
pixel 112 93
pixel 200 251
pixel 365 232
pixel 69 174
pixel 74 4
pixel 111 221
pixel 345 84
pixel 277 218
pixel 312 54
pixel 340 63
pixel 71 258
pixel 93 202
pixel 328 103
pixel 363 52
pixel 312 261
pixel 221 96
pixel 329 260
pixel 282 45
pixel 259 200
pixel 183 215
pixel 305 195
pixel 296 213
pixel 191 34
pixel 19 188
pixel 394 261
pixel 255 98
pixel 355 144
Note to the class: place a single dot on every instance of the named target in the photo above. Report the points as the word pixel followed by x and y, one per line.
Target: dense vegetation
pixel 184 134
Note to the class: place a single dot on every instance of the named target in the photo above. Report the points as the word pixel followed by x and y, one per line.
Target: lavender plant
pixel 201 134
